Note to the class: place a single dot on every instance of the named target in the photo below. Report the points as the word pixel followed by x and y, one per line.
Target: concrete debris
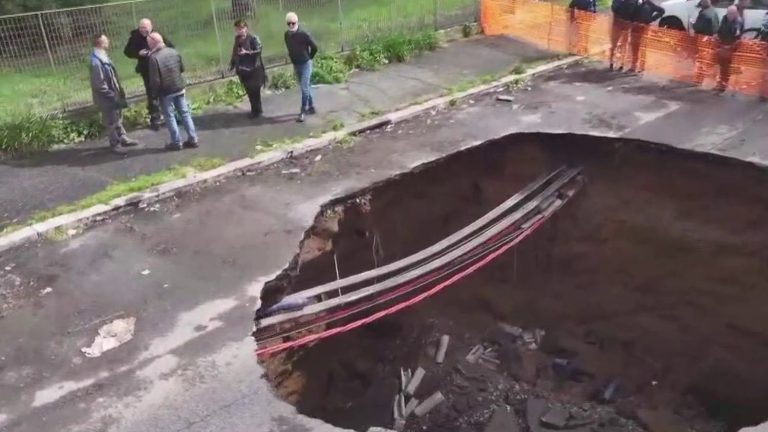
pixel 442 348
pixel 46 291
pixel 291 171
pixel 505 98
pixel 317 159
pixel 379 429
pixel 399 425
pixel 503 420
pixel 429 404
pixel 413 384
pixel 475 354
pixel 609 394
pixel 111 336
pixel 412 404
pixel 398 408
pixel 510 329
pixel 556 417
pixel 405 378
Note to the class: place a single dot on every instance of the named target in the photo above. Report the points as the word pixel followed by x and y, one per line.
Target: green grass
pixel 127 187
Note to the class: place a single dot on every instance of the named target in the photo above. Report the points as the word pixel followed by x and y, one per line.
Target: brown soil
pixel 655 274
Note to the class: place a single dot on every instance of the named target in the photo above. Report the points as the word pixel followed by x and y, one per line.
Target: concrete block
pixel 17 238
pixel 442 348
pixel 379 429
pixel 413 384
pixel 429 404
pixel 556 417
pixel 475 354
pixel 412 404
pixel 534 409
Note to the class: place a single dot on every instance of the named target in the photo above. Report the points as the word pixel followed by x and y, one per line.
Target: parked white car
pixel 680 13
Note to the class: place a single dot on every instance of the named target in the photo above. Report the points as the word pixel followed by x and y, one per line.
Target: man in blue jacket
pixel 108 95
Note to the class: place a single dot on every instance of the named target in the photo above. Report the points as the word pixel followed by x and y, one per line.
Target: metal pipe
pixel 45 40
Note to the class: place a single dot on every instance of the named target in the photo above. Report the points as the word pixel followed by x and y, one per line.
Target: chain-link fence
pixel 43 56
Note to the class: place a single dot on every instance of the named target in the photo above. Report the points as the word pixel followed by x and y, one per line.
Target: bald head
pixel 145 27
pixel 732 12
pixel 292 21
pixel 155 40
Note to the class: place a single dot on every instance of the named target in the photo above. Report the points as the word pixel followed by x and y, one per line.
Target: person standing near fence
pixel 581 14
pixel 108 95
pixel 623 14
pixel 138 48
pixel 166 81
pixel 301 50
pixel 728 36
pixel 646 12
pixel 247 63
pixel 704 27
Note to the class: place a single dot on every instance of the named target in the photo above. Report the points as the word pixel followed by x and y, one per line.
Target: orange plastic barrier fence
pixel 670 53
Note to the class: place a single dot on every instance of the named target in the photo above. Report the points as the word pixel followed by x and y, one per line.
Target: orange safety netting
pixel 671 53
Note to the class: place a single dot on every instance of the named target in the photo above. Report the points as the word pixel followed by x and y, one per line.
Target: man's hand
pixel 243 51
pixel 144 52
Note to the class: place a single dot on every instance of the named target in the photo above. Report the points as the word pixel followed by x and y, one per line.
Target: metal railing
pixel 43 56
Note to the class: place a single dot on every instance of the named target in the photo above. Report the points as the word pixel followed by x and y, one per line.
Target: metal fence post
pixel 133 12
pixel 45 40
pixel 280 4
pixel 218 39
pixel 436 17
pixel 341 27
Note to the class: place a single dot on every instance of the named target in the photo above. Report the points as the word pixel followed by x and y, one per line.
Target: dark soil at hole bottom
pixel 654 274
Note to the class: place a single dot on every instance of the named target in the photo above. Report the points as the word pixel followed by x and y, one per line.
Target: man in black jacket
pixel 705 26
pixel 301 50
pixel 646 12
pixel 165 81
pixel 138 48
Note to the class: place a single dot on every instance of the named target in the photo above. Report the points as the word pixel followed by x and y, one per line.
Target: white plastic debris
pixel 47 290
pixel 111 336
pixel 317 159
pixel 291 171
pixel 145 272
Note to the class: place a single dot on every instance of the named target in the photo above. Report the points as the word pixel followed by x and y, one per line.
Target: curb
pixel 102 211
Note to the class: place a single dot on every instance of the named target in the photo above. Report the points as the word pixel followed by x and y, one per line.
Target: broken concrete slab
pixel 534 409
pixel 556 417
pixel 429 404
pixel 503 420
pixel 474 354
pixel 398 408
pixel 379 429
pixel 412 404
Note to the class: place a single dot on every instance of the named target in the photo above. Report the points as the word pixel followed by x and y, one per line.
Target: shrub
pixel 466 30
pixel 375 52
pixel 329 69
pixel 282 80
pixel 33 132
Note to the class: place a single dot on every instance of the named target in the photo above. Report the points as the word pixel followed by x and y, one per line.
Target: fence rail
pixel 43 54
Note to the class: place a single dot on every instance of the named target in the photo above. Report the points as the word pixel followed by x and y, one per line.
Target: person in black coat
pixel 247 63
pixel 646 12
pixel 138 48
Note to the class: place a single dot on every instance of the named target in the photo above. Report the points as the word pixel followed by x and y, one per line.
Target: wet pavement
pixel 190 366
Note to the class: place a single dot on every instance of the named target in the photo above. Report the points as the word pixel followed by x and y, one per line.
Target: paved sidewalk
pixel 64 176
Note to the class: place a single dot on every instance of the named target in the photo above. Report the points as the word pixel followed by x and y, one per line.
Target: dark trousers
pixel 724 60
pixel 638 33
pixel 153 103
pixel 253 90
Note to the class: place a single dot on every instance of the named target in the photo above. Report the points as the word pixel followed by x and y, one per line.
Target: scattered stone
pixel 429 404
pixel 475 354
pixel 556 417
pixel 503 420
pixel 505 98
pixel 442 348
pixel 413 384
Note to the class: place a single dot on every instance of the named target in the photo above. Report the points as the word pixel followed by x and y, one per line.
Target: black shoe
pixel 189 144
pixel 254 115
pixel 173 147
pixel 610 67
pixel 116 149
pixel 300 118
pixel 311 111
pixel 129 143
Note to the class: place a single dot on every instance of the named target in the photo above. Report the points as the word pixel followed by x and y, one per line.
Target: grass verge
pixel 122 188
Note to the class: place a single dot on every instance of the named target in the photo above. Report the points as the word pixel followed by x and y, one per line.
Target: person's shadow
pixel 81 157
pixel 230 120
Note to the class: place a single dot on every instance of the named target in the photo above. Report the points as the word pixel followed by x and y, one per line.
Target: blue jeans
pixel 303 75
pixel 179 103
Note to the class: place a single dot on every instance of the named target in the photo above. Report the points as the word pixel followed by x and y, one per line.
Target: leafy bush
pixel 375 52
pixel 329 69
pixel 282 80
pixel 466 30
pixel 33 132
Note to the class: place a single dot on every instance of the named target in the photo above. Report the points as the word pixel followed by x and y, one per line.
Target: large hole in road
pixel 649 285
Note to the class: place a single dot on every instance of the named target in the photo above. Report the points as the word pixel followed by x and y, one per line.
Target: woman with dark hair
pixel 247 64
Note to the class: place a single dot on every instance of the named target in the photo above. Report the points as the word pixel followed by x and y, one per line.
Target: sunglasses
pixel 291 23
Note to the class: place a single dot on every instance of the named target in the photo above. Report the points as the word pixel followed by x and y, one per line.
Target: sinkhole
pixel 647 293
